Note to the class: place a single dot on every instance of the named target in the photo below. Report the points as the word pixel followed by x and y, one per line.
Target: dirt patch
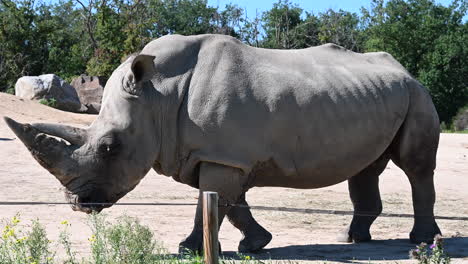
pixel 308 237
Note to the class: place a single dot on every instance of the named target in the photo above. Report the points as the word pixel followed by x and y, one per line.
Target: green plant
pixel 124 242
pixel 64 239
pixel 51 102
pixel 433 254
pixel 127 241
pixel 10 90
pixel 69 79
pixel 18 247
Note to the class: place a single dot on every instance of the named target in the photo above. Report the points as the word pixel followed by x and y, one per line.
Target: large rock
pixel 49 87
pixel 90 90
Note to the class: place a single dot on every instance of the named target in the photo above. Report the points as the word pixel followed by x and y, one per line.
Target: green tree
pixel 228 21
pixel 116 29
pixel 250 30
pixel 136 24
pixel 185 17
pixel 280 25
pixel 17 43
pixel 308 31
pixel 429 40
pixel 59 25
pixel 445 72
pixel 37 38
pixel 342 28
pixel 109 38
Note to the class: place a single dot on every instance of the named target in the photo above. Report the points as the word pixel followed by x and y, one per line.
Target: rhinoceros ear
pixel 142 70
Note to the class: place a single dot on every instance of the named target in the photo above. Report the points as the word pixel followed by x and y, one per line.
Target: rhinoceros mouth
pixel 82 203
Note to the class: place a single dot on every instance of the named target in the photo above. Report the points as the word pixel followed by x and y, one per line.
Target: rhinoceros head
pixel 102 163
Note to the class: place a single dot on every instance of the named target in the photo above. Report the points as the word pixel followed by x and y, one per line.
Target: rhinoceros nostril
pixel 40 137
pixel 85 201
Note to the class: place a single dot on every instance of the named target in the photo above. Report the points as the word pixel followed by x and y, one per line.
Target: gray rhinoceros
pixel 221 116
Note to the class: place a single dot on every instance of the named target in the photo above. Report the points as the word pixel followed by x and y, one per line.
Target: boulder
pixel 49 87
pixel 90 90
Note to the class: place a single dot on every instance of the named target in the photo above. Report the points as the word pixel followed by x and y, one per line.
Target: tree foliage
pixel 281 25
pixel 72 37
pixel 428 39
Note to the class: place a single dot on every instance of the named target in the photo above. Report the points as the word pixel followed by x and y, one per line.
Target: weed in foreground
pixel 64 240
pixel 433 254
pixel 124 242
pixel 127 241
pixel 19 247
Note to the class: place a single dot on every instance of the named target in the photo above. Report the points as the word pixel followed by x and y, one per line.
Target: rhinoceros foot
pixel 358 230
pixel 255 241
pixel 424 233
pixel 359 236
pixel 193 244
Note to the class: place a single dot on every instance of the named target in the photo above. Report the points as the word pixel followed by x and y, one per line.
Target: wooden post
pixel 210 227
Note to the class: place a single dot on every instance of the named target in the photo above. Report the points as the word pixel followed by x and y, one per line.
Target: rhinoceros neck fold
pixel 168 110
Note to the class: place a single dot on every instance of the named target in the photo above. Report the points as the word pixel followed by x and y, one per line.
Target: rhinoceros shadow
pixel 376 250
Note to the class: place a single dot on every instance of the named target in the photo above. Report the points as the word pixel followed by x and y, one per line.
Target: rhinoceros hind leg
pixel 255 237
pixel 420 172
pixel 422 185
pixel 365 195
pixel 228 182
pixel 425 227
pixel 414 151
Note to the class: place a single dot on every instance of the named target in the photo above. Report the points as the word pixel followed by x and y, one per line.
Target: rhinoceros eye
pixel 109 146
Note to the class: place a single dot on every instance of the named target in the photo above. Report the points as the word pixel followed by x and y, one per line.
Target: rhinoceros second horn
pixel 74 135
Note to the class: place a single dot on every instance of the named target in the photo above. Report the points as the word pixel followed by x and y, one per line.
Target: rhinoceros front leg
pixel 228 182
pixel 255 237
pixel 194 242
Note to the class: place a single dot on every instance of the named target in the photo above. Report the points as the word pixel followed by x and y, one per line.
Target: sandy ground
pixel 296 236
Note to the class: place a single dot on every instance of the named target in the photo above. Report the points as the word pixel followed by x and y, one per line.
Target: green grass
pixel 49 102
pixel 455 132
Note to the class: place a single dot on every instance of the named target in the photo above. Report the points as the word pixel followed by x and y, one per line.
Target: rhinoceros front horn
pixel 53 154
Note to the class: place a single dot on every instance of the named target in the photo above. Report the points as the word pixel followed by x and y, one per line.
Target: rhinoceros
pixel 218 115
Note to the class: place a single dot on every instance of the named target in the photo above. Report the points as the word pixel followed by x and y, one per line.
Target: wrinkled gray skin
pixel 220 116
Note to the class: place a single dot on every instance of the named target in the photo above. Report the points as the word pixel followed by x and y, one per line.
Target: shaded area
pixel 6 139
pixel 377 250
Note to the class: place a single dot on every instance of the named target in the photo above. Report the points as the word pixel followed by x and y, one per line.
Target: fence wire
pixel 260 208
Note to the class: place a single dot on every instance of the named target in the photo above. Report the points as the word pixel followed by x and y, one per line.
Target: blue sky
pixel 314 6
